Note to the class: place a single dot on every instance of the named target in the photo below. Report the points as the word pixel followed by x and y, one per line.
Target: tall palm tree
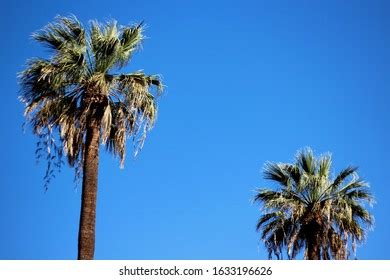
pixel 75 101
pixel 312 211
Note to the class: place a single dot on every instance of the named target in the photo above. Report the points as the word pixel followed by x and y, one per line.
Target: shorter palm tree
pixel 311 211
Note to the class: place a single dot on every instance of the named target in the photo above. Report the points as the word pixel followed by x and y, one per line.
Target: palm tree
pixel 75 101
pixel 312 210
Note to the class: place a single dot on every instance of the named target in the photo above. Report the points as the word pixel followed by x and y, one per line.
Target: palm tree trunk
pixel 313 241
pixel 86 245
pixel 313 250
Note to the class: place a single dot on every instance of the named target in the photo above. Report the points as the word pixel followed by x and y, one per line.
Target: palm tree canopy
pixel 78 85
pixel 309 200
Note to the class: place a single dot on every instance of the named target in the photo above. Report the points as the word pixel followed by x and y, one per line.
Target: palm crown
pixel 76 87
pixel 310 210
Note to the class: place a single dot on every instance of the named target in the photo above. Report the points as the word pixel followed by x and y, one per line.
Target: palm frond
pixel 343 175
pixel 306 161
pixel 324 165
pixel 65 31
pixel 130 38
pixel 67 38
pixel 276 172
pixel 112 45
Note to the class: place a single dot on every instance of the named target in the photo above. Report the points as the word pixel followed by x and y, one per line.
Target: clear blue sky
pixel 247 82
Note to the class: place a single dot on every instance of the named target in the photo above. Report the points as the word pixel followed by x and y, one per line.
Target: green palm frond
pixel 113 45
pixel 343 175
pixel 131 38
pixel 293 173
pixel 324 165
pixel 277 173
pixel 66 37
pixel 64 33
pixel 306 161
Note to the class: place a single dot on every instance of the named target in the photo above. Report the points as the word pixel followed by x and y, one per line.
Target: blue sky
pixel 247 82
